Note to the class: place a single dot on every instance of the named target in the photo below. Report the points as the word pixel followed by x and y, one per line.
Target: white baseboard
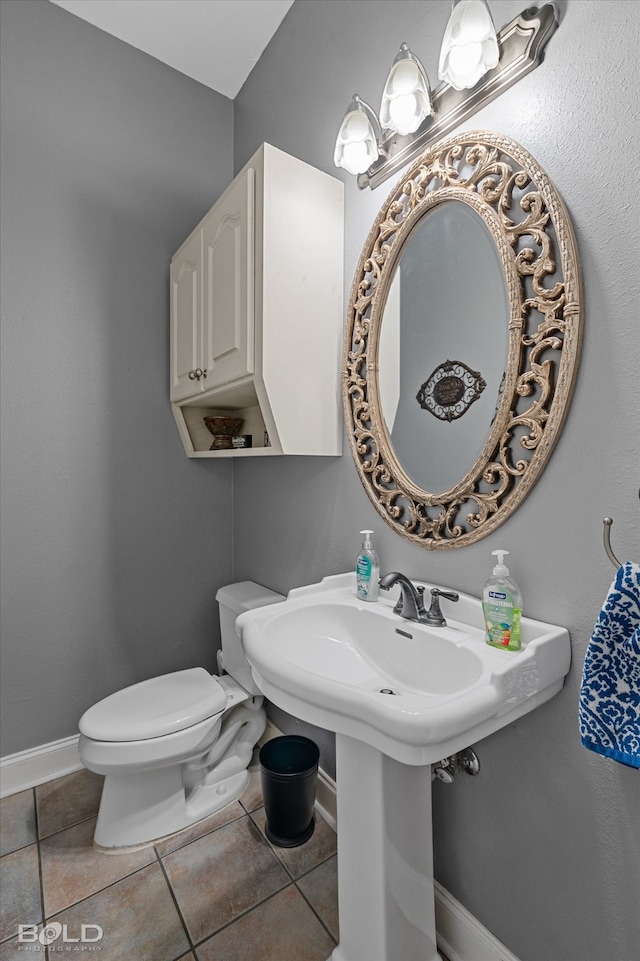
pixel 461 937
pixel 326 799
pixel 30 768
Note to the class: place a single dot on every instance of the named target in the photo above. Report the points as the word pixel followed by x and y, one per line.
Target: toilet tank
pixel 232 601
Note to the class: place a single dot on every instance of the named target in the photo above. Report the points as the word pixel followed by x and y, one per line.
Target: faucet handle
pixel 450 595
pixel 434 615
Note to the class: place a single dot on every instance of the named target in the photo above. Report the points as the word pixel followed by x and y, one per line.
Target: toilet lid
pixel 161 705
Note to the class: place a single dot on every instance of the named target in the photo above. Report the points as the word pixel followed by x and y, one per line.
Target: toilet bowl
pixel 175 749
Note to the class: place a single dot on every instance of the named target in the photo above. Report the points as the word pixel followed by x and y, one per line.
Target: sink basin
pixel 415 692
pixel 370 649
pixel 400 696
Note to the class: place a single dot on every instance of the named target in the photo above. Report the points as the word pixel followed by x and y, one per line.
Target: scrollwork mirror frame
pixel 535 242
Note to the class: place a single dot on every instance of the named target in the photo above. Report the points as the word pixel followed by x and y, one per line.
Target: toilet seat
pixel 156 707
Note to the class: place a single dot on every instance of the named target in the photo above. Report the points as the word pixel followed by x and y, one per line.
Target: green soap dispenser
pixel 502 607
pixel 367 570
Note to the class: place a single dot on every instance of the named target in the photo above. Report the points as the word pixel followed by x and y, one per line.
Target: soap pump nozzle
pixel 500 567
pixel 366 543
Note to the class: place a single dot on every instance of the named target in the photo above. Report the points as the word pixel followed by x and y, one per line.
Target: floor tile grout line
pixel 93 894
pixel 186 844
pixel 39 853
pixel 246 809
pixel 293 878
pixel 58 830
pixel 289 880
pixel 243 914
pixel 15 850
pixel 176 904
pixel 314 866
pixel 67 827
pixel 22 847
pixel 310 903
pixel 259 904
pixel 274 848
pixel 271 847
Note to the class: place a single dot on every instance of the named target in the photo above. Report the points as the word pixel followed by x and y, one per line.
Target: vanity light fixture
pixel 406 98
pixel 470 45
pixel 475 67
pixel 358 144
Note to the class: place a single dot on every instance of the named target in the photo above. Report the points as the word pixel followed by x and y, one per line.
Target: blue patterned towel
pixel 609 711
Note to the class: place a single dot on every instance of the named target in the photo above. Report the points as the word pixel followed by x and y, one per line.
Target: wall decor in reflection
pixel 450 390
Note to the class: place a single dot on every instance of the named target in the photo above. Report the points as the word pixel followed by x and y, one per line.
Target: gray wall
pixel 544 846
pixel 113 543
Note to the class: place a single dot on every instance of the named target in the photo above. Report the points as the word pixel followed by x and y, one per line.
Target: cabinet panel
pixel 186 332
pixel 228 321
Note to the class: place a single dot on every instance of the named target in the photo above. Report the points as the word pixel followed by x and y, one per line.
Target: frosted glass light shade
pixel 356 145
pixel 406 98
pixel 470 45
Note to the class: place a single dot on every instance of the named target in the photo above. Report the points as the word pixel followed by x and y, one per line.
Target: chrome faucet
pixel 411 601
pixel 410 604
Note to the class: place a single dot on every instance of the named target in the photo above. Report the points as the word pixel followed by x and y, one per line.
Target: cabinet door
pixel 186 321
pixel 228 308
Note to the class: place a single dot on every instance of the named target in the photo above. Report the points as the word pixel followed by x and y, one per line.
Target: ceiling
pixel 217 42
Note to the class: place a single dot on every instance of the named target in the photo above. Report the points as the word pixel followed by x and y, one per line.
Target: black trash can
pixel 289 773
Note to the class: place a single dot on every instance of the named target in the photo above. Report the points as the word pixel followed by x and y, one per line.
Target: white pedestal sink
pixel 332 660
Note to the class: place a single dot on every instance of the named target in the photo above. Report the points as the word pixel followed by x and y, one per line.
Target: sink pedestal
pixel 385 857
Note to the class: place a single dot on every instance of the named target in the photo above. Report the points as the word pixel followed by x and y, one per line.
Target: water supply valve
pixel 446 770
pixel 443 771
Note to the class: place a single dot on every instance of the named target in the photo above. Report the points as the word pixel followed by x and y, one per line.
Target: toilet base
pixel 126 823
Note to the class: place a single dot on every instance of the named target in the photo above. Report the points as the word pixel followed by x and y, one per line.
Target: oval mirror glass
pixel 443 346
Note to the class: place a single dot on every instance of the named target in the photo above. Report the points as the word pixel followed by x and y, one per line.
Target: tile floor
pixel 218 891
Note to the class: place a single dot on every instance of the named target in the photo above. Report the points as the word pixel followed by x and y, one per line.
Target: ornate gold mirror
pixel 462 342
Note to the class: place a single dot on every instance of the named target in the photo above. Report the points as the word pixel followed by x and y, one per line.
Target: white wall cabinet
pixel 257 312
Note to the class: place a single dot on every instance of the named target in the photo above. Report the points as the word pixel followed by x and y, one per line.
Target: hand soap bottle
pixel 502 607
pixel 367 570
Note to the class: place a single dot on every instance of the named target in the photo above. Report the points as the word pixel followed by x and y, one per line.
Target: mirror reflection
pixel 443 346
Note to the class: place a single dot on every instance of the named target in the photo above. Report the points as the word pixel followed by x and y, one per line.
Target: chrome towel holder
pixel 606 537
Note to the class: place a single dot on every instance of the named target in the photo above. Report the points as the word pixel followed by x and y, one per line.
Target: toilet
pixel 175 749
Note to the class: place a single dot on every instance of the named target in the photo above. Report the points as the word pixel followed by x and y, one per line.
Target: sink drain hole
pixel 386 690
